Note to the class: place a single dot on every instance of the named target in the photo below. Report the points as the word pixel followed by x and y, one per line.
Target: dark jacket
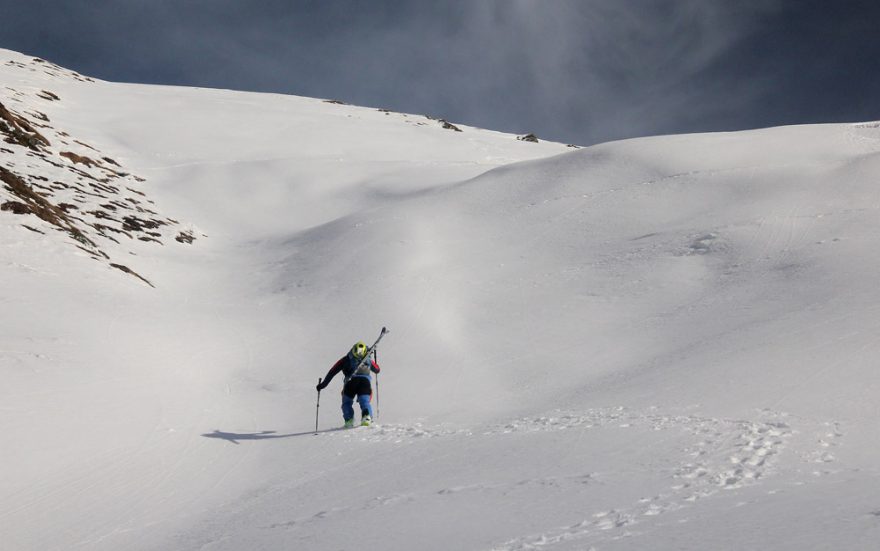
pixel 347 365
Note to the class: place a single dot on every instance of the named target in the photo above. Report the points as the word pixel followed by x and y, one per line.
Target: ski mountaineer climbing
pixel 356 368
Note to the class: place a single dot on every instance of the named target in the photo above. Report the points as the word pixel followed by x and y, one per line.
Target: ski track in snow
pixel 726 455
pixel 723 455
pixel 400 433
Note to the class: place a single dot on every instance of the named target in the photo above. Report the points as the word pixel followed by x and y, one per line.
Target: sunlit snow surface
pixel 664 343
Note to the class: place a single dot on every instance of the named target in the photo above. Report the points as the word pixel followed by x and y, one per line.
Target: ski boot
pixel 366 421
pixel 349 423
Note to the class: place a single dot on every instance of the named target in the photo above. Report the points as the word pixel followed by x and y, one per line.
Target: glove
pixel 319 387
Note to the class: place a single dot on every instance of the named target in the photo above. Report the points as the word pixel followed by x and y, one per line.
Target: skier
pixel 356 368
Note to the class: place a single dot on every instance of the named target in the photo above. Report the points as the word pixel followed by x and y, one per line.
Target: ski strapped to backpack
pixel 369 355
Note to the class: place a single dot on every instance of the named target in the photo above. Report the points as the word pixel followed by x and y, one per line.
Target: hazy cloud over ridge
pixel 577 71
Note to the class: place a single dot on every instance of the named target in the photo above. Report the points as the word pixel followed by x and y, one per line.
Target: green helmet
pixel 359 350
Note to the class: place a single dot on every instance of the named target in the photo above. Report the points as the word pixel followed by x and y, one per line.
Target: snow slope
pixel 664 343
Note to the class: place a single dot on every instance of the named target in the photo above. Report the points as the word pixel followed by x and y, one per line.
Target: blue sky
pixel 580 72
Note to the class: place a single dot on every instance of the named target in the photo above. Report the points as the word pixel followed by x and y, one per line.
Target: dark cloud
pixel 577 71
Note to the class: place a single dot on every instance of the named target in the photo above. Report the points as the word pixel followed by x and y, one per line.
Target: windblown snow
pixel 661 343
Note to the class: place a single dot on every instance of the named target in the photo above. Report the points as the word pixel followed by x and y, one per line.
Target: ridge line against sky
pixel 572 71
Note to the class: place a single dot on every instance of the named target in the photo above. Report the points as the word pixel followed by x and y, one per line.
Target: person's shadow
pixel 234 437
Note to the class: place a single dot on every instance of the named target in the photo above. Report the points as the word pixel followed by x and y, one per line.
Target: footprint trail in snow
pixel 725 455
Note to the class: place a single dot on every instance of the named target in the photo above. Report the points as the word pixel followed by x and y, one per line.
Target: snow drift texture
pixel 664 343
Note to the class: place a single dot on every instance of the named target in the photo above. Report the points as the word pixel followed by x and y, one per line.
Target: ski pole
pixel 318 407
pixel 376 359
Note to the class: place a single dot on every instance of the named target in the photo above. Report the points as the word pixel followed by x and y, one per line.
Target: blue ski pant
pixel 360 388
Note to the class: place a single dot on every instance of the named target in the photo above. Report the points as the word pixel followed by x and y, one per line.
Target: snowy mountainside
pixel 617 243
pixel 67 184
pixel 658 343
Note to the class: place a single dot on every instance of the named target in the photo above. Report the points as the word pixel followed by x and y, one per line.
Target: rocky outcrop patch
pixel 71 186
pixel 18 131
pixel 449 126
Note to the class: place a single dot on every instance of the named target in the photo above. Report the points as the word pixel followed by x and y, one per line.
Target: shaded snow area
pixel 663 343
